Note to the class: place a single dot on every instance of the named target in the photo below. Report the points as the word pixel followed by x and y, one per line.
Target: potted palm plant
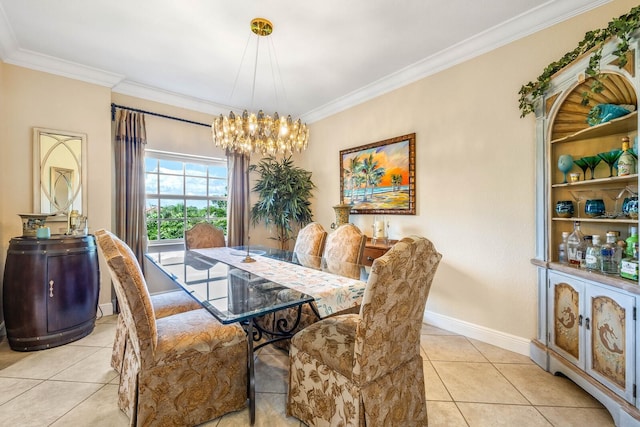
pixel 283 191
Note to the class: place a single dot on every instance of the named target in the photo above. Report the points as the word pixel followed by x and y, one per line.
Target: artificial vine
pixel 620 28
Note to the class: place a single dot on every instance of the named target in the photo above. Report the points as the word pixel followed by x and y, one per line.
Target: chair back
pixel 132 292
pixel 346 243
pixel 204 235
pixel 310 240
pixel 393 307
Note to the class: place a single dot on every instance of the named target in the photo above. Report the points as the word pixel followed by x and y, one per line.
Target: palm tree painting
pixel 379 177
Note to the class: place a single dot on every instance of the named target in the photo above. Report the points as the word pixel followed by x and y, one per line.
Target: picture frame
pixel 380 178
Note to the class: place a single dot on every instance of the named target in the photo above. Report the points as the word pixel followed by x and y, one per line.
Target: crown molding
pixel 49 64
pixel 151 93
pixel 544 16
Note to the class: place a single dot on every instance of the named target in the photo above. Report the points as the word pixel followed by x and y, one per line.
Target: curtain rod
pixel 164 116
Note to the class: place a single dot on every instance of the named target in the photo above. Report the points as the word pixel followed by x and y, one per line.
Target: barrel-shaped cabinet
pixel 50 291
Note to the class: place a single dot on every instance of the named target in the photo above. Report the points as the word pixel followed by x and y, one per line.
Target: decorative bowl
pixel 594 208
pixel 602 113
pixel 564 208
pixel 630 207
pixel 31 222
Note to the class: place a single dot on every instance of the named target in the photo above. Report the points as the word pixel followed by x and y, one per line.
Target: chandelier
pixel 250 133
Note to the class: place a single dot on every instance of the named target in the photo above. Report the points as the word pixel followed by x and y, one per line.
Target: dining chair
pixel 366 369
pixel 182 369
pixel 343 246
pixel 204 235
pixel 310 240
pixel 346 244
pixel 164 304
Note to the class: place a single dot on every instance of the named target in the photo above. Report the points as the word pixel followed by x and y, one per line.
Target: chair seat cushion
pixel 330 341
pixel 192 333
pixel 168 303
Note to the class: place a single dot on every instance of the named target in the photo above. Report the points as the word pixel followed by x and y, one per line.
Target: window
pixel 181 191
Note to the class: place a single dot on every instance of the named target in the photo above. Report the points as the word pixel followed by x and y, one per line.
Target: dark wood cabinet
pixel 373 251
pixel 50 292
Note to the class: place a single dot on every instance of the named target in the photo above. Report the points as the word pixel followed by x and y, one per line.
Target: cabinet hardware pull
pixel 580 320
pixel 587 323
pixel 50 288
pixel 369 258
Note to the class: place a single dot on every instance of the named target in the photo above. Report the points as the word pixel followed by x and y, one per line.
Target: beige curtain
pixel 130 139
pixel 238 206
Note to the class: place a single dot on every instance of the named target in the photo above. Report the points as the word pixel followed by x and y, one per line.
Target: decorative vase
pixel 565 163
pixel 342 215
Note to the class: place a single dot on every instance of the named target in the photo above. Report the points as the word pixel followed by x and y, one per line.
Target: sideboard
pixel 50 292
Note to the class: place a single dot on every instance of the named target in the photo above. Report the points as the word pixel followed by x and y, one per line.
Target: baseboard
pixel 480 333
pixel 106 309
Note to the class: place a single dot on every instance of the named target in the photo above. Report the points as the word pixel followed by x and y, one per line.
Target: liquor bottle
pixel 562 248
pixel 586 245
pixel 611 255
pixel 592 259
pixel 631 241
pixel 626 162
pixel 575 245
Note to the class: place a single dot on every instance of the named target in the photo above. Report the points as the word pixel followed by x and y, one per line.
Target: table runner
pixel 332 293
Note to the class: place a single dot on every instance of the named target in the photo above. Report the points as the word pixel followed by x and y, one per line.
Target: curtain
pixel 238 206
pixel 130 139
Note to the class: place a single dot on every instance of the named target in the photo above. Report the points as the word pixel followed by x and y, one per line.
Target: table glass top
pixel 229 293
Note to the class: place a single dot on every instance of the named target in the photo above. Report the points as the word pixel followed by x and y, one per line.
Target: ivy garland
pixel 621 28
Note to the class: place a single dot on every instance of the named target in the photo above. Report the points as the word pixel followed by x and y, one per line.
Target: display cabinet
pixel 587 327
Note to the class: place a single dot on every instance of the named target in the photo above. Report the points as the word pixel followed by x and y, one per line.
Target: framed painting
pixel 380 178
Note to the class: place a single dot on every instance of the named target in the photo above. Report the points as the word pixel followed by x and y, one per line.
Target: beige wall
pixel 475 173
pixel 475 165
pixel 34 99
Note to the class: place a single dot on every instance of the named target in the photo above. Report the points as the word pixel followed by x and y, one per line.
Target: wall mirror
pixel 59 172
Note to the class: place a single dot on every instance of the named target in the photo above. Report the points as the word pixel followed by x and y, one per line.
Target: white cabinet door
pixel 565 317
pixel 610 330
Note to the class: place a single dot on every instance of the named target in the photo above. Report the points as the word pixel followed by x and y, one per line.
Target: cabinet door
pixel 610 330
pixel 565 321
pixel 71 297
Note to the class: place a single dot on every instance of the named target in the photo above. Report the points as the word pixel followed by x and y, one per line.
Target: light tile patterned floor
pixel 468 383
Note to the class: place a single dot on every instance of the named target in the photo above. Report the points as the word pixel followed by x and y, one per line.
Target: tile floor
pixel 468 383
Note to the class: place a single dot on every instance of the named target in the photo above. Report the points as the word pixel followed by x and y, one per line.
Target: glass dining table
pixel 234 290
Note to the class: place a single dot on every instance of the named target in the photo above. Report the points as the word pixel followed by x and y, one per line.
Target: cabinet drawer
pixel 372 253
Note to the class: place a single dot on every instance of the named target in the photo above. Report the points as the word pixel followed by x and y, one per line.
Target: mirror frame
pixel 38 185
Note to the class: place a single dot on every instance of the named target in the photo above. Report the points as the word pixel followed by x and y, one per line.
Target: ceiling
pixel 326 56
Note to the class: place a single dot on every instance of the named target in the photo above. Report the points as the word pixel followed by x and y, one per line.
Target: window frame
pixel 155 245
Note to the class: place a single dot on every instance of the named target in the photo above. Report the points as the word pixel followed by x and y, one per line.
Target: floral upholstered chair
pixel 164 304
pixel 310 240
pixel 343 246
pixel 182 369
pixel 365 369
pixel 204 235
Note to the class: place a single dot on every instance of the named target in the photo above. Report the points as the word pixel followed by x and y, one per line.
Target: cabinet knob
pixel 369 258
pixel 50 288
